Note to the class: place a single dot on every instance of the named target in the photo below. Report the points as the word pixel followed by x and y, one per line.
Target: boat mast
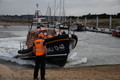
pixel 54 10
pixel 63 12
pixel 48 13
pixel 36 15
pixel 60 10
pixel 28 17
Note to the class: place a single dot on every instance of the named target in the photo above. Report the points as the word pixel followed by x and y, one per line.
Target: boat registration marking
pixel 56 48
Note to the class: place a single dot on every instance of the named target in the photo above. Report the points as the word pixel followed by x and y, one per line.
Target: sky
pixel 72 7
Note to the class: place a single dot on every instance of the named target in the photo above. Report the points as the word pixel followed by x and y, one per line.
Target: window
pixel 51 32
pixel 33 36
pixel 43 31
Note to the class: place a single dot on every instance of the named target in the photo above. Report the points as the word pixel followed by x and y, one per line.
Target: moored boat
pixel 6 26
pixel 116 32
pixel 77 26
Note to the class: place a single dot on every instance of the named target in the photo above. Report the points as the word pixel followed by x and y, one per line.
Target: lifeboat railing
pixel 22 45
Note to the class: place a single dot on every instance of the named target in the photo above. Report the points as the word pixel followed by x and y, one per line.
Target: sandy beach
pixel 106 72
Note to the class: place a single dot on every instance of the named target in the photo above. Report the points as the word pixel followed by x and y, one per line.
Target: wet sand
pixel 106 72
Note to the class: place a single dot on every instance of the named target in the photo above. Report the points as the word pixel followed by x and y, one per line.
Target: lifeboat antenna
pixel 37 5
pixel 37 9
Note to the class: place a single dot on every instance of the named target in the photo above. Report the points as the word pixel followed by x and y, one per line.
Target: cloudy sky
pixel 72 7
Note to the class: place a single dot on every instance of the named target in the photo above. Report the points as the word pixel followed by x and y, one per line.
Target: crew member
pixel 40 52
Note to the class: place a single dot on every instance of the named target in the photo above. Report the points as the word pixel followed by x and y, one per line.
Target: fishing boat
pixel 58 42
pixel 77 26
pixel 64 25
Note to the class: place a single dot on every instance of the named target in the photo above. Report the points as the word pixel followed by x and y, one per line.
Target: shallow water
pixel 92 48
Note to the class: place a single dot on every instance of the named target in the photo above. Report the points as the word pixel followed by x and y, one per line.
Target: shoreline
pixel 104 72
pixel 28 24
pixel 14 23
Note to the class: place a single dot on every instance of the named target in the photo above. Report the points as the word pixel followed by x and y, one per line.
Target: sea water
pixel 92 48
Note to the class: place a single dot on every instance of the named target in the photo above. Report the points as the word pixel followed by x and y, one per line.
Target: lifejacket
pixel 39 48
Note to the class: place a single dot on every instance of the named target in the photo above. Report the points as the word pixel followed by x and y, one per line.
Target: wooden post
pixel 110 24
pixel 85 21
pixel 97 22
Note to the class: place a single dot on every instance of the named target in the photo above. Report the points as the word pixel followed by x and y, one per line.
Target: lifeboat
pixel 58 43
